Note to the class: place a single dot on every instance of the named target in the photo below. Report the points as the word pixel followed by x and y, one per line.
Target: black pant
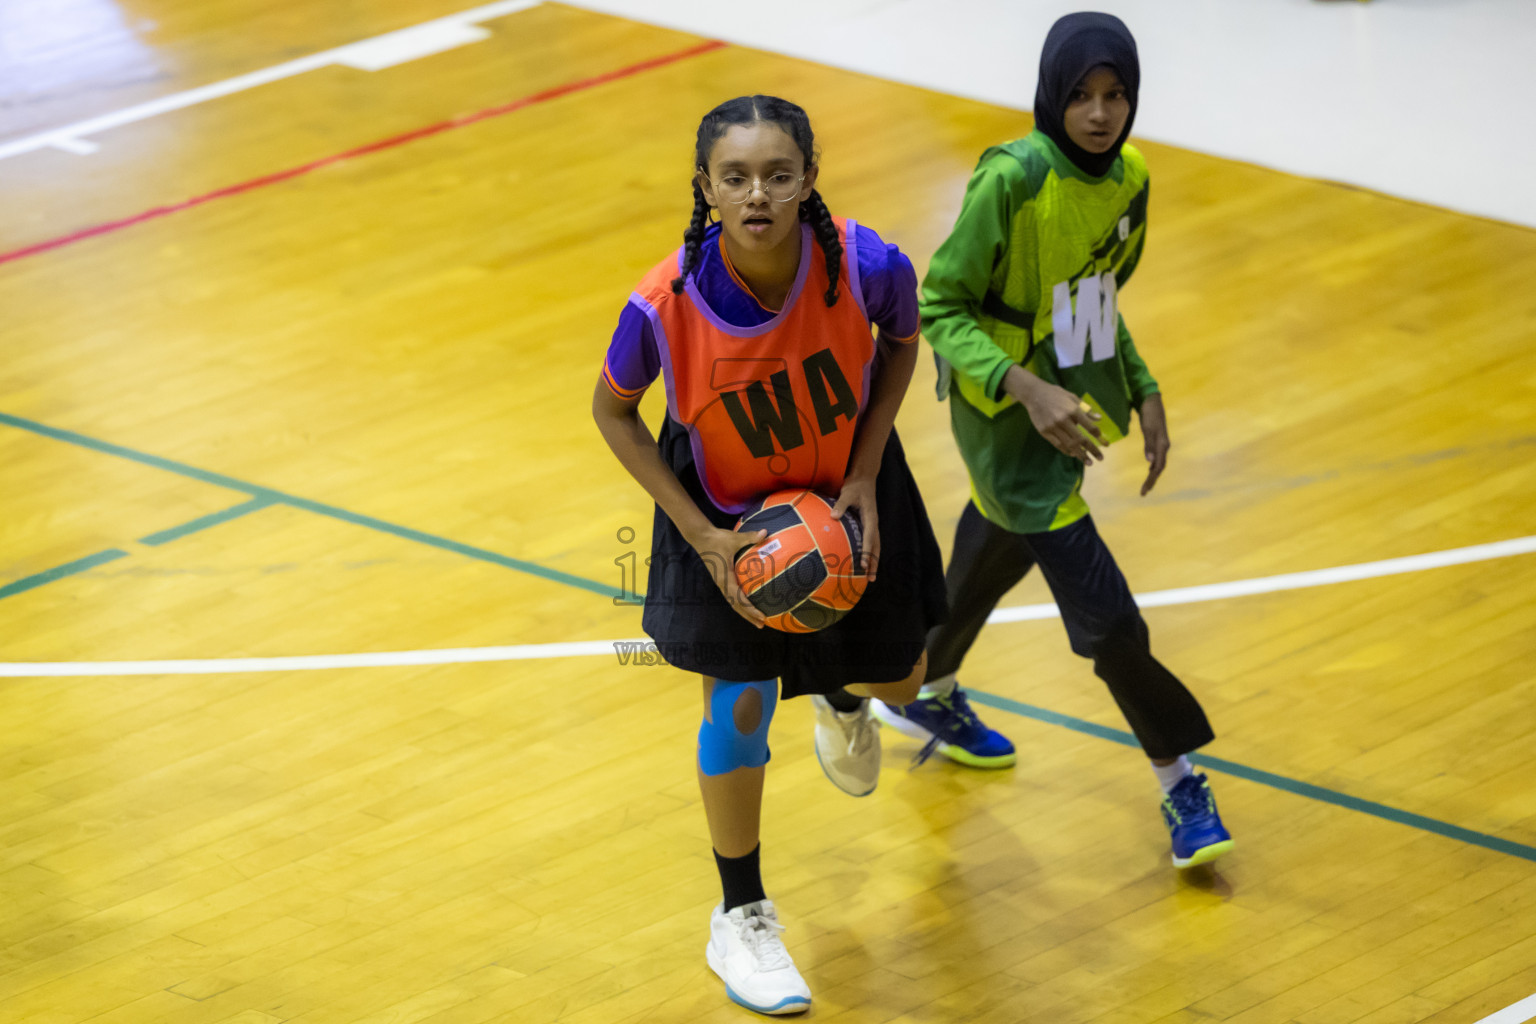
pixel 1102 620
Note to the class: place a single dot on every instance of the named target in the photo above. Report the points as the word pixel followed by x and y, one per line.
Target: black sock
pixel 842 700
pixel 741 878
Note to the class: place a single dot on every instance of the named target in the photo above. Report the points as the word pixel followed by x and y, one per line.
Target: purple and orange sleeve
pixel 890 287
pixel 632 363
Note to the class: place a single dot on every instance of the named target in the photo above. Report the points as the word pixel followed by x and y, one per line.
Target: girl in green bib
pixel 1020 304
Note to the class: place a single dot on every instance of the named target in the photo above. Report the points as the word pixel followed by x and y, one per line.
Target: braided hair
pixel 747 110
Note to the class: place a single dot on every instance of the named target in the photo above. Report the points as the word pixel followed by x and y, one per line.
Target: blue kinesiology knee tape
pixel 724 748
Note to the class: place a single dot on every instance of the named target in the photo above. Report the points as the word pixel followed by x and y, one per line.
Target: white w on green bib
pixel 1094 321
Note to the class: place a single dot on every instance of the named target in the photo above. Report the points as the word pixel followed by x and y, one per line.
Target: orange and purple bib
pixel 771 406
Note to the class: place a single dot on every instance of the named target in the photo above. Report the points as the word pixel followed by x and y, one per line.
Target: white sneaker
pixel 848 746
pixel 746 951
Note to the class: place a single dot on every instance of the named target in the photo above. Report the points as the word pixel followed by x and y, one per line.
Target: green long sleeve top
pixel 1030 275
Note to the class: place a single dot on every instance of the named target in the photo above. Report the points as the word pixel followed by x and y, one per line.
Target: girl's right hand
pixel 1060 416
pixel 719 548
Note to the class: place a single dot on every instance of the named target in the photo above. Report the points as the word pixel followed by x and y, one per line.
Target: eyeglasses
pixel 738 188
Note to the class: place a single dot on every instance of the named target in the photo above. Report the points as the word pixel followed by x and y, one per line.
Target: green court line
pixel 79 565
pixel 319 508
pixel 154 540
pixel 204 522
pixel 266 497
pixel 1242 771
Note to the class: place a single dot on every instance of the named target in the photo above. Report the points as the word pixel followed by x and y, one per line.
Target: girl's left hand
pixel 859 493
pixel 1154 432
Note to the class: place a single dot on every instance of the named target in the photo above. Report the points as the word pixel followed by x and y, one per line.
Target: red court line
pixel 372 147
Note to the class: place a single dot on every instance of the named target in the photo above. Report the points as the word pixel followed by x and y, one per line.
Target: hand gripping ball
pixel 807 573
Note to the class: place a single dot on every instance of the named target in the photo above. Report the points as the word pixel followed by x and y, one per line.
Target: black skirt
pixel 877 642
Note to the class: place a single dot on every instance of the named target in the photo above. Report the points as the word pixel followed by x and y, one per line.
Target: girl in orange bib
pixel 785 338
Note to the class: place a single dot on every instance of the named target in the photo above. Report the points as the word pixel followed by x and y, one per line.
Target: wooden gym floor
pixel 319 386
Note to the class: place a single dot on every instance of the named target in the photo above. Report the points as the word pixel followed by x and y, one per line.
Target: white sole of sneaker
pixel 787 1005
pixel 901 724
pixel 959 755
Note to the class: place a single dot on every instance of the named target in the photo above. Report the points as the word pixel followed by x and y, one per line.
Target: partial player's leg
pixel 847 739
pixel 744 946
pixel 1104 624
pixel 986 563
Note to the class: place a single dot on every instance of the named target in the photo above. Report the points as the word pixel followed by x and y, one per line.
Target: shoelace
pixel 859 730
pixel 760 934
pixel 1189 802
pixel 925 753
pixel 960 707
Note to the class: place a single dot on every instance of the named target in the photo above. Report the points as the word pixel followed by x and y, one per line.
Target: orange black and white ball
pixel 807 573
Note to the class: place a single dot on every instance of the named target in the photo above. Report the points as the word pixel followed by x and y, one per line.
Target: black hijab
pixel 1076 44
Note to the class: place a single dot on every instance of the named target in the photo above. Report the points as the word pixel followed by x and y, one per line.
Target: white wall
pixel 1433 100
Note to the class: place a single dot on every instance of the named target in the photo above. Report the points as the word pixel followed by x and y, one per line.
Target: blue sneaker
pixel 949 726
pixel 1199 837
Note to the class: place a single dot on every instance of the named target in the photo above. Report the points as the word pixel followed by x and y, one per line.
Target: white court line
pixel 310 662
pixel 373 54
pixel 596 648
pixel 1298 580
pixel 1517 1013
